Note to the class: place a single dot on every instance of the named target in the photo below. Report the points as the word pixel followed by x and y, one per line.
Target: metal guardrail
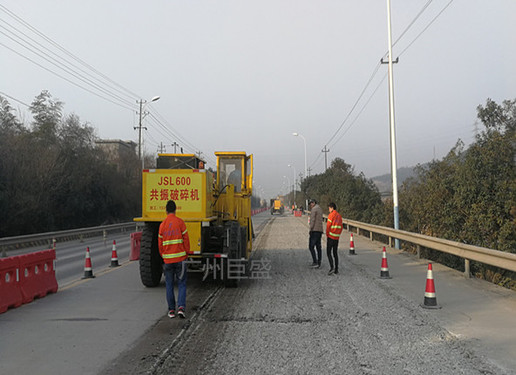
pixel 484 255
pixel 17 242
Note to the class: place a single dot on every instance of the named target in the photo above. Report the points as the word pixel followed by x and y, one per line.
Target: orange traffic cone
pixel 88 271
pixel 384 271
pixel 114 257
pixel 430 301
pixel 351 245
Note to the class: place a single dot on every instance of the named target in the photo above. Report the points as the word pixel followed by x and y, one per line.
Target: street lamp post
pixel 139 127
pixel 392 130
pixel 306 175
pixel 294 168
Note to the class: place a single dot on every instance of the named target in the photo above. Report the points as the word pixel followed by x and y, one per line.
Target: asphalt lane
pixel 90 325
pixel 301 320
pixel 472 310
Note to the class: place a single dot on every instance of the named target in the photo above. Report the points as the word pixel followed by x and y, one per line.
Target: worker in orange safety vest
pixel 333 231
pixel 174 247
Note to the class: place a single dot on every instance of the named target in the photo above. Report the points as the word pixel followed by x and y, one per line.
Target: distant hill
pixel 384 184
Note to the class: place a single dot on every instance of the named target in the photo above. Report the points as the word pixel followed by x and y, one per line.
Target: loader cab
pixel 234 168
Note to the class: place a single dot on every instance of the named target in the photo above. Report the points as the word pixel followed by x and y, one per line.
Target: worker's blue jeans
pixel 175 271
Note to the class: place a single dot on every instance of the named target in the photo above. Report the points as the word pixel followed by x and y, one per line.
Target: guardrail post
pixel 104 234
pixel 4 253
pixel 467 273
pixel 371 236
pixel 390 241
pixel 418 248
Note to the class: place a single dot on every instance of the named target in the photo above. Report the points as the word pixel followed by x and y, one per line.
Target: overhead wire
pixel 12 98
pixel 68 53
pixel 427 26
pixel 164 128
pixel 111 91
pixel 376 71
pixel 45 56
pixel 66 79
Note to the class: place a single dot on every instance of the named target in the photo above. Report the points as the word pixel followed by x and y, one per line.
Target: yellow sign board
pixel 186 188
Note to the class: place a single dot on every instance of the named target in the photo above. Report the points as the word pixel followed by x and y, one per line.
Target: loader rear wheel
pixel 151 263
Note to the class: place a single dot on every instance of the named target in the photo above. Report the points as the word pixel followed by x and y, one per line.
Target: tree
pixel 470 196
pixel 53 177
pixel 356 197
pixel 47 114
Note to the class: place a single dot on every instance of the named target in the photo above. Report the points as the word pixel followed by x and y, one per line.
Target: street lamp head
pixel 295 134
pixel 155 98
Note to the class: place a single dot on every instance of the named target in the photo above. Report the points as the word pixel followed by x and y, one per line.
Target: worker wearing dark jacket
pixel 333 231
pixel 316 231
pixel 174 247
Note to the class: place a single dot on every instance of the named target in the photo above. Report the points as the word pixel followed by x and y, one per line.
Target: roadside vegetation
pixel 469 196
pixel 53 176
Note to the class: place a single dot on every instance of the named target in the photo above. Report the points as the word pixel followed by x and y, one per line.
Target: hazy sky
pixel 243 75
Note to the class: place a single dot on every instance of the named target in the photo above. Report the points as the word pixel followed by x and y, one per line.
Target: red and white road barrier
pixel 25 277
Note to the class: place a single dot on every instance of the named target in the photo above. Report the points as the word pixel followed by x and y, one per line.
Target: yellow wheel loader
pixel 216 210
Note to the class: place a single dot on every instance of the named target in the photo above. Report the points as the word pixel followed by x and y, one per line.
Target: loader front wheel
pixel 151 263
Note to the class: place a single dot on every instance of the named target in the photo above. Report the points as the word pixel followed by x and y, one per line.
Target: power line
pixel 164 128
pixel 375 72
pixel 57 62
pixel 66 79
pixel 427 26
pixel 45 56
pixel 16 100
pixel 109 89
pixel 64 50
pixel 356 102
pixel 412 22
pixel 361 110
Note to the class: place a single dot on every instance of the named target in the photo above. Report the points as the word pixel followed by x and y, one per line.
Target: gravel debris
pixel 303 321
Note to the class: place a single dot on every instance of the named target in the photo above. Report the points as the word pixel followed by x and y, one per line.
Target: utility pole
pixel 175 144
pixel 161 148
pixel 139 127
pixel 325 157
